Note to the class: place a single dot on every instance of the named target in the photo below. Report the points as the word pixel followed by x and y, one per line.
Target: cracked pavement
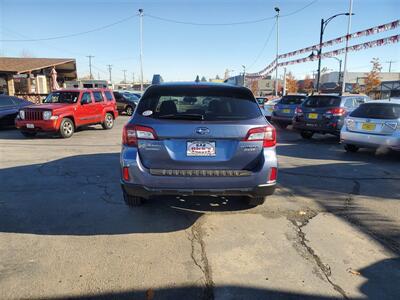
pixel 331 230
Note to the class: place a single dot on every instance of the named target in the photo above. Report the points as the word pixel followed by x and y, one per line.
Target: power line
pixel 73 34
pixel 263 47
pixel 230 23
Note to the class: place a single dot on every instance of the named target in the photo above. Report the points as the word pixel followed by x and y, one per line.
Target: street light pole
pixel 244 75
pixel 141 48
pixel 109 72
pixel 350 13
pixel 277 50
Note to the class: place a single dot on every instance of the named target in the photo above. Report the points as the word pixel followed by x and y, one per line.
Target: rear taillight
pixel 336 112
pixel 132 133
pixel 273 174
pixel 125 173
pixel 298 111
pixel 266 134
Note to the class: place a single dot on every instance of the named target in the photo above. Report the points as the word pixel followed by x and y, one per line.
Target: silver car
pixel 375 124
pixel 198 139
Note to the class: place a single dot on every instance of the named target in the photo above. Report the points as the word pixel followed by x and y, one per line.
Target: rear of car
pixel 269 108
pixel 324 114
pixel 198 139
pixel 375 124
pixel 284 110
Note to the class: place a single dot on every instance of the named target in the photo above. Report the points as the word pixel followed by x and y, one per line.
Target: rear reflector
pixel 200 173
pixel 273 174
pixel 266 134
pixel 125 173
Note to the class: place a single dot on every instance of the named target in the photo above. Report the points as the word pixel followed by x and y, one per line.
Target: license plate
pixel 200 148
pixel 30 126
pixel 271 109
pixel 313 116
pixel 368 126
pixel 286 111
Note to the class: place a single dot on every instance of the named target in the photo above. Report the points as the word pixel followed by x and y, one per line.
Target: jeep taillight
pixel 266 134
pixel 336 112
pixel 132 133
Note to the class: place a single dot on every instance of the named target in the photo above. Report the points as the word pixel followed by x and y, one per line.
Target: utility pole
pixel 284 82
pixel 347 45
pixel 90 65
pixel 141 48
pixel 244 75
pixel 390 64
pixel 133 78
pixel 124 75
pixel 277 50
pixel 109 72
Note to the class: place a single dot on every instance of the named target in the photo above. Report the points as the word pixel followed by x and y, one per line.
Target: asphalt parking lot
pixel 331 230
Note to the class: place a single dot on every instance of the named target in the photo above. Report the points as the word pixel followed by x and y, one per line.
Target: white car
pixel 269 108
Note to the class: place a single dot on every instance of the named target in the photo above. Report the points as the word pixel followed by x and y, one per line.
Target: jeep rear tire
pixel 67 128
pixel 108 121
pixel 132 201
pixel 28 134
pixel 255 201
pixel 306 134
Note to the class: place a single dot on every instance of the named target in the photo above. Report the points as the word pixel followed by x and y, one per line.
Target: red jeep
pixel 65 110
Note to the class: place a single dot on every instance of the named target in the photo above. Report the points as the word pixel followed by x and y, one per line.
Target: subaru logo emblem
pixel 202 130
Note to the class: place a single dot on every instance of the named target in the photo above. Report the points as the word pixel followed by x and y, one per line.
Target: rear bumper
pixel 39 125
pixel 331 128
pixel 282 119
pixel 370 140
pixel 146 192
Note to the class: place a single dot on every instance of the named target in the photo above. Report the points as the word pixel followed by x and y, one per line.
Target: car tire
pixel 132 201
pixel 307 134
pixel 67 128
pixel 129 110
pixel 28 134
pixel 108 121
pixel 351 148
pixel 255 201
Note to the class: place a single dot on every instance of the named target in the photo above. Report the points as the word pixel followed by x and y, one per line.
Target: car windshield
pixel 322 101
pixel 377 111
pixel 62 97
pixel 192 104
pixel 290 100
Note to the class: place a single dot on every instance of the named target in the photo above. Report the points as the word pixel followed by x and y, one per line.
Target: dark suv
pixel 126 102
pixel 284 110
pixel 324 113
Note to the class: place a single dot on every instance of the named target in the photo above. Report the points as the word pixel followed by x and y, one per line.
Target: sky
pixel 181 51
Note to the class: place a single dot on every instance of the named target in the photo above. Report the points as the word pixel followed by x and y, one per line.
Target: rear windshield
pixel 377 111
pixel 199 104
pixel 62 97
pixel 292 100
pixel 325 101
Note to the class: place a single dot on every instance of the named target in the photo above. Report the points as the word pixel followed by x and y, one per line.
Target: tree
pixel 291 83
pixel 203 79
pixel 217 77
pixel 372 79
pixel 254 87
pixel 197 79
pixel 305 85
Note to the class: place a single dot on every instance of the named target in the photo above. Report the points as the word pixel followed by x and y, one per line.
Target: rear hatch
pixel 200 128
pixel 375 118
pixel 287 105
pixel 318 109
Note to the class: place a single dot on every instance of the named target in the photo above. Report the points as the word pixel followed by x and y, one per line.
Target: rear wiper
pixel 183 116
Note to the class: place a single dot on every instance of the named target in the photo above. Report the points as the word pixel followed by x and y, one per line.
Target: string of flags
pixel 367 32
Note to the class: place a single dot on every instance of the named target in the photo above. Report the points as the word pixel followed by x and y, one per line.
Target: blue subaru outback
pixel 198 139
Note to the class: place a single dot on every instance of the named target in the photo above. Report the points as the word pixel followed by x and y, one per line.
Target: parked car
pixel 65 110
pixel 375 124
pixel 284 110
pixel 324 113
pixel 126 102
pixel 269 108
pixel 178 144
pixel 9 107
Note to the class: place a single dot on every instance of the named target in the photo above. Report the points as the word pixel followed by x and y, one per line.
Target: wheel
pixel 67 128
pixel 254 201
pixel 132 201
pixel 108 121
pixel 351 148
pixel 129 110
pixel 306 134
pixel 28 134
